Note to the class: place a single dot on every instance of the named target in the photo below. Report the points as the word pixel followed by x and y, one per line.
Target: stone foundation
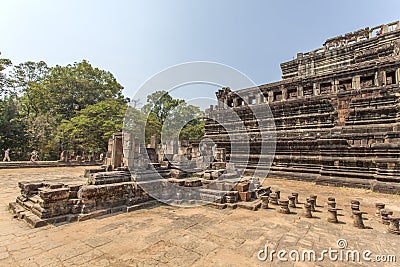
pixel 44 203
pixel 105 193
pixel 45 164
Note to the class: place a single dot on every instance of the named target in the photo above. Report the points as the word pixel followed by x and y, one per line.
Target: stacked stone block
pixel 41 203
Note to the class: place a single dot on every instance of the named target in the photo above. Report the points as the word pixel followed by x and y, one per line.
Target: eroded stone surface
pixel 200 236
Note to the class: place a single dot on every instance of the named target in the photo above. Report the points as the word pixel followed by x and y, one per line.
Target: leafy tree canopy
pixel 79 107
pixel 93 126
pixel 4 83
pixel 74 87
pixel 161 104
pixel 176 119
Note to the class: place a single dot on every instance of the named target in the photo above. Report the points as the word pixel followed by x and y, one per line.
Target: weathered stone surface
pixel 335 115
pixel 242 187
pixel 218 237
pixel 28 188
pixel 45 203
pixel 244 196
pixel 52 195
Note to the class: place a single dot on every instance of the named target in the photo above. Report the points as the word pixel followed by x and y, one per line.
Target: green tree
pixel 161 104
pixel 142 124
pixel 13 134
pixel 74 87
pixel 184 122
pixel 42 130
pixel 24 74
pixel 172 118
pixel 4 82
pixel 193 130
pixel 153 127
pixel 51 95
pixel 93 126
pixel 28 79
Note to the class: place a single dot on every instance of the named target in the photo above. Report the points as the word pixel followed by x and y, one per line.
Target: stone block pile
pixel 41 203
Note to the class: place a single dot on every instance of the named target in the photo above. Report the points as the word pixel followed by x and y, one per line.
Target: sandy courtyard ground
pixel 203 236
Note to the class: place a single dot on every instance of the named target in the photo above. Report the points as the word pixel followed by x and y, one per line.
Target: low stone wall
pixel 44 164
pixel 42 203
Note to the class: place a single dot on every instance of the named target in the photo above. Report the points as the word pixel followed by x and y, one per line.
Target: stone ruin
pixel 336 113
pixel 117 186
pixel 336 123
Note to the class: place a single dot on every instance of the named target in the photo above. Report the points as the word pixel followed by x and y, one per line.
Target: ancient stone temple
pixel 336 112
pixel 332 120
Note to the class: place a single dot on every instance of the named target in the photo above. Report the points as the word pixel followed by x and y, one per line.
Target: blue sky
pixel 136 39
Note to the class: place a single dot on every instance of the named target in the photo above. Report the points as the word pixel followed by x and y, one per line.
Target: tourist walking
pixel 6 155
pixel 34 155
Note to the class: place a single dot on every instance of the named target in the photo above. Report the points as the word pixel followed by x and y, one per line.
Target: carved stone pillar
pixel 385 216
pixel 284 206
pixel 397 76
pixel 379 207
pixel 355 206
pixel 273 199
pixel 284 94
pixel 331 204
pixel 335 86
pixel 246 100
pixel 311 201
pixel 381 78
pixel 296 195
pixel 332 215
pixel 260 99
pixel 315 199
pixel 270 96
pixel 264 201
pixel 316 88
pixel 307 210
pixel 358 219
pixel 393 227
pixel 235 102
pixel 356 84
pixel 300 91
pixel 292 201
